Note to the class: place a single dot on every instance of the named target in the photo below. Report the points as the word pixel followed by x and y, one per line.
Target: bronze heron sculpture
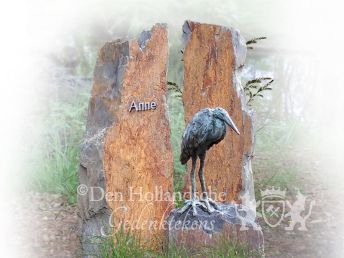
pixel 206 128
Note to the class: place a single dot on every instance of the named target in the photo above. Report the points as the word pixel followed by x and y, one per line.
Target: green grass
pixel 120 244
pixel 54 158
pixel 277 160
pixel 273 171
pixel 123 244
pixel 176 114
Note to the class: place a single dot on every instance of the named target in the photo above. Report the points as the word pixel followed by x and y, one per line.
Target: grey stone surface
pixel 93 209
pixel 235 223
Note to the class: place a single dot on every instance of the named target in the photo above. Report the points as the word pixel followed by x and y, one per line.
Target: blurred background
pixel 49 52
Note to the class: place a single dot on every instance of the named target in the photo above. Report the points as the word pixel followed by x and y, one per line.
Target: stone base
pixel 235 224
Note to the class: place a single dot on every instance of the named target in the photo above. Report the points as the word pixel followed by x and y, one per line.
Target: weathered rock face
pixel 234 225
pixel 213 56
pixel 127 152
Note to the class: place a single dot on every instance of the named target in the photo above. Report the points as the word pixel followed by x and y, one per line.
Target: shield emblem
pixel 273 212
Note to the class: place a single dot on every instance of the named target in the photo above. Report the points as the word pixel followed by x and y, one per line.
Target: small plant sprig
pixel 255 88
pixel 174 87
pixel 253 41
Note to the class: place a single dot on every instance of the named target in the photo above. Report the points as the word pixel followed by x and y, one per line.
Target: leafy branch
pixel 255 88
pixel 253 41
pixel 174 87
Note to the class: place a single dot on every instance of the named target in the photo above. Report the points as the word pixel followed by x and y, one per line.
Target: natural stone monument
pixel 126 163
pixel 126 155
pixel 213 57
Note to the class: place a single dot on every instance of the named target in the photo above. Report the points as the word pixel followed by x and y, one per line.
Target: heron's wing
pixel 196 133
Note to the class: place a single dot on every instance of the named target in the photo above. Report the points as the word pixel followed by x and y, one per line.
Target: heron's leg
pixel 206 198
pixel 194 201
pixel 200 174
pixel 193 185
pixel 203 185
pixel 192 177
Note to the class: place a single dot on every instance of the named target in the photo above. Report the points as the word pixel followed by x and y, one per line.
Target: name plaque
pixel 142 106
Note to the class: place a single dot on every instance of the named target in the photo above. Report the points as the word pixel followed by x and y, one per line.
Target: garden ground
pixel 48 225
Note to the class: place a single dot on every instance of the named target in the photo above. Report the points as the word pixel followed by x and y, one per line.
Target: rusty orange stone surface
pixel 137 159
pixel 209 60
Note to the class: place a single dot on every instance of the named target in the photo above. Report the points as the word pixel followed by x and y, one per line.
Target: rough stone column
pixel 127 154
pixel 213 56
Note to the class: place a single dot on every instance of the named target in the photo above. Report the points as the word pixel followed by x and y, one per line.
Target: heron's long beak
pixel 231 124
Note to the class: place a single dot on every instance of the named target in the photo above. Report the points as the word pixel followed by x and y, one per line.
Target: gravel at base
pixel 47 226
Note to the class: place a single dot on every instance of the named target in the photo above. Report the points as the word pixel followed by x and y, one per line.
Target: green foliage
pixel 120 244
pixel 253 41
pixel 176 115
pixel 176 108
pixel 54 157
pixel 255 88
pixel 173 87
pixel 125 244
pixel 278 161
pixel 223 249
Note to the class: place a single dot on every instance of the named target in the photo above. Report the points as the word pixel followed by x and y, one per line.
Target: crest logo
pixel 273 206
